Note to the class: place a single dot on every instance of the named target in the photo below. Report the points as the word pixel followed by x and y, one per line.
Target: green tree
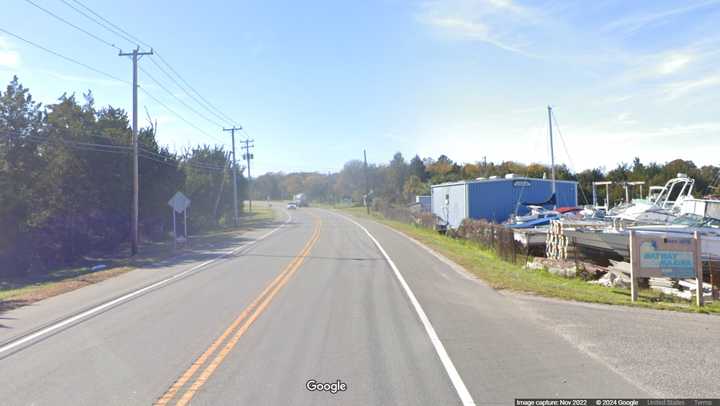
pixel 417 168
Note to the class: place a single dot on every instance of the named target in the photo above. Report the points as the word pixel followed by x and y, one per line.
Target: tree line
pixel 66 181
pixel 399 180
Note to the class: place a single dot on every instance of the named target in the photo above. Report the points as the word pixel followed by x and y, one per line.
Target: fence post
pixel 514 248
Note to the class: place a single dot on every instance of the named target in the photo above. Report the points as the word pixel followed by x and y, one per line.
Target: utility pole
pixel 234 166
pixel 136 180
pixel 247 156
pixel 367 185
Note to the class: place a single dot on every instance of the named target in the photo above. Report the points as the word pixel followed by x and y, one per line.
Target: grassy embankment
pixel 18 292
pixel 500 274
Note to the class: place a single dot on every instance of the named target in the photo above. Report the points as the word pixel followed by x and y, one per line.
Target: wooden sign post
pixel 658 255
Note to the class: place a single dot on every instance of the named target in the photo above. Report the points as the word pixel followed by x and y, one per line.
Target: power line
pixel 102 73
pixel 179 99
pixel 147 151
pixel 103 25
pixel 88 33
pixel 133 39
pixel 120 32
pixel 126 35
pixel 179 159
pixel 215 112
pixel 59 55
pixel 72 144
pixel 117 149
pixel 148 94
pixel 193 89
pixel 180 163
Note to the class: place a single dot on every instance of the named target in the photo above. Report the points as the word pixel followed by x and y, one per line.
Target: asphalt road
pixel 313 298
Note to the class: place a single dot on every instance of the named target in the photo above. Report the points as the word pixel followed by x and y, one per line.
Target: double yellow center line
pixel 236 330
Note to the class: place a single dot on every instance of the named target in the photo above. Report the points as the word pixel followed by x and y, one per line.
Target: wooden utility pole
pixel 248 156
pixel 367 185
pixel 234 167
pixel 136 179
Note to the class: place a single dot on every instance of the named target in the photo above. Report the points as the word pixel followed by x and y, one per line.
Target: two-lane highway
pixel 322 299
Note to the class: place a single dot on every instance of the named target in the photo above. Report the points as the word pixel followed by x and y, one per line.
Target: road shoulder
pixel 23 321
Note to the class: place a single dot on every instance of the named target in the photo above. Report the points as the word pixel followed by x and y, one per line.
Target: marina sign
pixel 657 255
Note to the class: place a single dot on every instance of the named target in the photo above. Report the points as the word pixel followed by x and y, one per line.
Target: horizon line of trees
pixel 399 181
pixel 65 182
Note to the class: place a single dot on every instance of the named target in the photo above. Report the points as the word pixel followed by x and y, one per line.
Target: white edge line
pixel 454 375
pixel 99 308
pixel 462 272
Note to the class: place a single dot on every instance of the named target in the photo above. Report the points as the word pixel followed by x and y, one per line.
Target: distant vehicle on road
pixel 300 199
pixel 291 206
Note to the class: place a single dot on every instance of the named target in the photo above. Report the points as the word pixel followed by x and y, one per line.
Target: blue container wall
pixel 497 200
pixel 425 202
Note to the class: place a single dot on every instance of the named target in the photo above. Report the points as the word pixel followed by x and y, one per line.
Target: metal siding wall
pixel 496 200
pixel 490 200
pixel 436 201
pixel 425 202
pixel 566 194
pixel 455 213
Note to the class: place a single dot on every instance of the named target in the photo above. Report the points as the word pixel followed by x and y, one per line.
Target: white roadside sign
pixel 179 202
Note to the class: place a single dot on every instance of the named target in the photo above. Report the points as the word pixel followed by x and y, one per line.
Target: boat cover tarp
pixel 551 201
pixel 533 223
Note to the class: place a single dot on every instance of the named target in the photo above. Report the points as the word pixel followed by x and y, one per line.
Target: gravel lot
pixel 668 353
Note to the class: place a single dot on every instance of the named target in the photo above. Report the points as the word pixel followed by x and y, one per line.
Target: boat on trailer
pixel 698 215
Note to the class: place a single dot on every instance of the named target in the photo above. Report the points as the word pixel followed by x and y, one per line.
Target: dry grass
pixel 31 293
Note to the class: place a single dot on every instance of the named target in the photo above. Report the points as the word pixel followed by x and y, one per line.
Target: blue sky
pixel 316 82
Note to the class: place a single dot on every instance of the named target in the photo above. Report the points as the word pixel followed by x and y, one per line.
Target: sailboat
pixel 539 214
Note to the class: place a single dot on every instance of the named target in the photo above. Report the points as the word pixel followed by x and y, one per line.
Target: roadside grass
pixel 17 294
pixel 500 274
pixel 21 291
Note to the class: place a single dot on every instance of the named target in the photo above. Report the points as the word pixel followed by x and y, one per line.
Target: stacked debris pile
pixel 618 275
pixel 613 279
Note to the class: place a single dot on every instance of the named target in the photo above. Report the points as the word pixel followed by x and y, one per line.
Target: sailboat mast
pixel 552 151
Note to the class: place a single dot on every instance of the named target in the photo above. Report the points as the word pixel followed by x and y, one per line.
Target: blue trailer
pixel 424 202
pixel 496 199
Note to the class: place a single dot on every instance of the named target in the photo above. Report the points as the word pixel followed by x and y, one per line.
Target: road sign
pixel 179 202
pixel 665 256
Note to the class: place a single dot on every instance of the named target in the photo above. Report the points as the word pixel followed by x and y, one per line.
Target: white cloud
pixel 673 62
pixel 489 21
pixel 678 89
pixel 616 99
pixel 465 28
pixel 636 22
pixel 625 118
pixel 9 59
